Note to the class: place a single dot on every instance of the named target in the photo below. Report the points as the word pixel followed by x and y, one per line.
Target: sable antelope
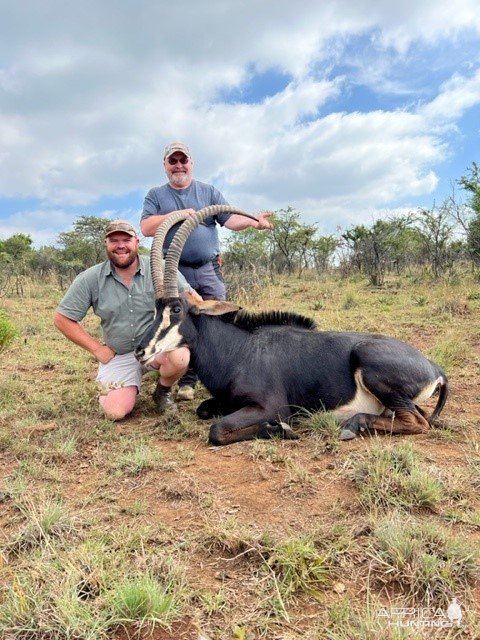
pixel 261 369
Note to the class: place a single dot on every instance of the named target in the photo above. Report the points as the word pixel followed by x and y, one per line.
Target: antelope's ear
pixel 214 307
pixel 191 297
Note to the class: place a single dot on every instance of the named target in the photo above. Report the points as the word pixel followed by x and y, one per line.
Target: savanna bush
pixel 8 331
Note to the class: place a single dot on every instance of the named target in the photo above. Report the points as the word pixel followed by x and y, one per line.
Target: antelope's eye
pixel 176 309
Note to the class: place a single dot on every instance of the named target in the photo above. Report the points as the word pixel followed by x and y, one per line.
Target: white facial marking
pixel 164 324
pixel 166 338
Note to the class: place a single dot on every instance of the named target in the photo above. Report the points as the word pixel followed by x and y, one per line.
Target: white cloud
pixel 44 225
pixel 455 97
pixel 39 224
pixel 89 95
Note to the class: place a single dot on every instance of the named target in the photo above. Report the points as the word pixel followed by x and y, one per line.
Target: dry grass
pixel 111 530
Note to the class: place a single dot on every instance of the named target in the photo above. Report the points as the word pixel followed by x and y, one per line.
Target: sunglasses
pixel 174 161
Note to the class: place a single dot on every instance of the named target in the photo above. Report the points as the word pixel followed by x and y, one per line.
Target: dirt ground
pixel 288 488
pixel 211 504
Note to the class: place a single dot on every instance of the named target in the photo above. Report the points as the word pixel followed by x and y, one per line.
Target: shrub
pixel 8 332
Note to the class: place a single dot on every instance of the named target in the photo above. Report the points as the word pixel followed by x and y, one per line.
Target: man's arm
pixel 75 332
pixel 149 225
pixel 238 223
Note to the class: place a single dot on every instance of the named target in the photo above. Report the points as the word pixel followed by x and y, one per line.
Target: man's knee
pixel 118 403
pixel 173 365
pixel 115 413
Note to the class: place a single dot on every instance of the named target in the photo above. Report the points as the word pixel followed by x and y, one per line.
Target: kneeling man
pixel 120 292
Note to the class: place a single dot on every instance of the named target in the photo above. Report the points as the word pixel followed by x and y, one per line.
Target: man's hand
pixel 263 222
pixel 149 225
pixel 103 354
pixel 236 222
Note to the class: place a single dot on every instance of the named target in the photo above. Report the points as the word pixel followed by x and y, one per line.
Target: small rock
pixel 339 587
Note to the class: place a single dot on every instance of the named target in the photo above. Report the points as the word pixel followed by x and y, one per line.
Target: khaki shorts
pixel 122 371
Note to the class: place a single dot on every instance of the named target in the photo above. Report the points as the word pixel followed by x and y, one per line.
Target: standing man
pixel 120 291
pixel 199 262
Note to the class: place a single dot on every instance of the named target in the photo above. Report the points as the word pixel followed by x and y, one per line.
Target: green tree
pixel 52 260
pixel 436 227
pixel 354 240
pixel 292 240
pixel 386 245
pixel 14 254
pixel 84 245
pixel 322 251
pixel 471 223
pixel 17 247
pixel 471 183
pixel 246 249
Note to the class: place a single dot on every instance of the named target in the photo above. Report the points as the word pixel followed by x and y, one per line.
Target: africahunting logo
pixel 423 617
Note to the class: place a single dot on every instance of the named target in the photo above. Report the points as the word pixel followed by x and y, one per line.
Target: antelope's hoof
pixel 347 434
pixel 355 426
pixel 281 430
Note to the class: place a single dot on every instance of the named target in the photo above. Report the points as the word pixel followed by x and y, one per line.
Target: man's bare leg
pixel 118 403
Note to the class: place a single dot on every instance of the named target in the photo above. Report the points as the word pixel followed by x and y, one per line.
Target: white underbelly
pixel 363 402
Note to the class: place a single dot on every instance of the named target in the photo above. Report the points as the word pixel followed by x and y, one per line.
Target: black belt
pixel 197 265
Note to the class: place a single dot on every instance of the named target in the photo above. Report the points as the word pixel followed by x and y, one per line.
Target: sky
pixel 346 111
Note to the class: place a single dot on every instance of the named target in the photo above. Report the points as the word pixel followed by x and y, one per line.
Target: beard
pixel 180 179
pixel 122 260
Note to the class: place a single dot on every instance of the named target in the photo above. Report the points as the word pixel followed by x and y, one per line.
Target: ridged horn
pixel 175 249
pixel 156 253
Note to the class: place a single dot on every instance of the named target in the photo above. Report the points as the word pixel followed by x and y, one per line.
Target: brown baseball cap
pixel 120 225
pixel 176 146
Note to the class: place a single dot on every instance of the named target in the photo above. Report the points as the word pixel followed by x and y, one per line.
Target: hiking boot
pixel 185 392
pixel 162 397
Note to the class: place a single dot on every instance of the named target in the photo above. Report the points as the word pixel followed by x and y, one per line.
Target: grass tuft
pixel 228 535
pixel 51 520
pixel 8 331
pixel 473 461
pixel 425 562
pixel 44 603
pixel 143 599
pixel 347 621
pixel 298 567
pixel 394 476
pixel 139 458
pixel 326 426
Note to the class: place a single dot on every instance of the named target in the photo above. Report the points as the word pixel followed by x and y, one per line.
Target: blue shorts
pixel 206 279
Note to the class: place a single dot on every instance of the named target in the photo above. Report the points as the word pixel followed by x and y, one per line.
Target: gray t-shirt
pixel 125 312
pixel 202 244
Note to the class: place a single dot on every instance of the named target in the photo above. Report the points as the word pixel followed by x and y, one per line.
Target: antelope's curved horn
pixel 156 253
pixel 174 251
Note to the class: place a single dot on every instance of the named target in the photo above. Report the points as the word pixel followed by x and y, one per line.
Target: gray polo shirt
pixel 124 312
pixel 203 243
